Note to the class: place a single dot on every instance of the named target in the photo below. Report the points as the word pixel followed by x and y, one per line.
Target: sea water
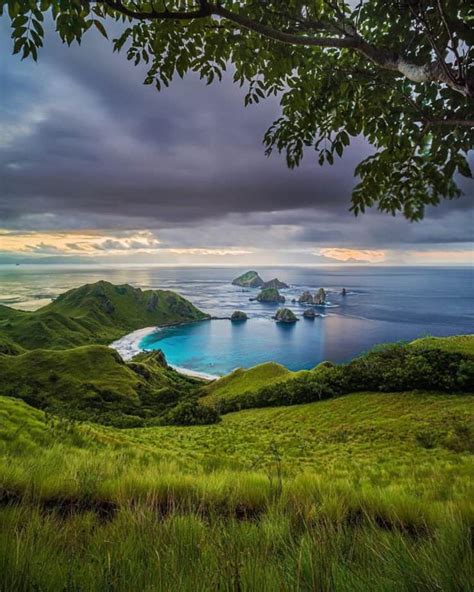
pixel 383 304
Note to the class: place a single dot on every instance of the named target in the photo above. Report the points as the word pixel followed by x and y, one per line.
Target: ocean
pixel 383 304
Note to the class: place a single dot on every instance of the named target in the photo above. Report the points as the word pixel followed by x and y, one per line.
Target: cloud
pixel 353 255
pixel 459 256
pixel 95 164
pixel 43 249
pixel 90 243
pixel 205 252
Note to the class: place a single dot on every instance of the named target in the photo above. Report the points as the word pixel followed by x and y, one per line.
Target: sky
pixel 96 167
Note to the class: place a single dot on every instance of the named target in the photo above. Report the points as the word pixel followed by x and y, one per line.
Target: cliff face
pixel 250 279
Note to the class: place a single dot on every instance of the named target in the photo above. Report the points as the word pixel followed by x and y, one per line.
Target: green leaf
pixel 38 28
pixel 464 169
pixel 100 27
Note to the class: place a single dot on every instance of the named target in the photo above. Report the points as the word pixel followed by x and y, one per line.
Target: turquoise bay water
pixel 219 346
pixel 382 305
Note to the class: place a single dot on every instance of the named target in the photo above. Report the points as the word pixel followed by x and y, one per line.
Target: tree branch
pixel 432 72
pixel 450 122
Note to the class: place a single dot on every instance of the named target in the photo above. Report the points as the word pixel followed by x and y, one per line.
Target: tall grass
pixel 327 497
pixel 139 551
pixel 378 470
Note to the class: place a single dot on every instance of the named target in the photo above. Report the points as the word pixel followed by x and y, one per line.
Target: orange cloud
pixel 455 256
pixel 200 251
pixel 92 244
pixel 73 243
pixel 367 256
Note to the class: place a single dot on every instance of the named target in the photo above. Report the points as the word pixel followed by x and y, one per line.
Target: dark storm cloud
pixel 85 144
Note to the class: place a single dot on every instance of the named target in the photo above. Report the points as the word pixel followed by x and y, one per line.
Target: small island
pixel 285 315
pixel 250 279
pixel 238 316
pixel 306 298
pixel 270 295
pixel 275 283
pixel 320 297
pixel 310 313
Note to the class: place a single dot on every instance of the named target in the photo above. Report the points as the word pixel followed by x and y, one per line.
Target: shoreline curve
pixel 128 346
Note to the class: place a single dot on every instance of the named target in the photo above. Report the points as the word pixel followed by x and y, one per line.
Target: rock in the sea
pixel 306 298
pixel 270 295
pixel 250 279
pixel 320 296
pixel 285 315
pixel 275 283
pixel 310 313
pixel 238 316
pixel 344 292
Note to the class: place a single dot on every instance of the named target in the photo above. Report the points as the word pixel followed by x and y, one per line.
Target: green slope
pixel 373 432
pixel 408 453
pixel 344 495
pixel 242 381
pixel 93 382
pixel 463 344
pixel 94 313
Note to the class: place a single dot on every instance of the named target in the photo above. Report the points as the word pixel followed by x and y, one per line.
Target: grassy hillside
pixel 396 444
pixel 245 381
pixel 94 313
pixel 463 344
pixel 366 492
pixel 93 382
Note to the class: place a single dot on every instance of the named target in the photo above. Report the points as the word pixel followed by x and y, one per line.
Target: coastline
pixel 128 346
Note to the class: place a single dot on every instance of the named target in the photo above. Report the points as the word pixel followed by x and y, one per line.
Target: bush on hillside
pixel 191 412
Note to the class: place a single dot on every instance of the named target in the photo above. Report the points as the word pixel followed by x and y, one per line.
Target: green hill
pixel 94 313
pixel 93 382
pixel 463 344
pixel 242 381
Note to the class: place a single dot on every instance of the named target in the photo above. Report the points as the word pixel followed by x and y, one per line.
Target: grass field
pixel 415 446
pixel 367 491
pixel 463 344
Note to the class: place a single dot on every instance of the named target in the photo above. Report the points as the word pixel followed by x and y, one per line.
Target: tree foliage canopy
pixel 399 73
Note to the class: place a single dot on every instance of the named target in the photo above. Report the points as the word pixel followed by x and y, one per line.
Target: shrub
pixel 191 412
pixel 460 438
pixel 426 439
